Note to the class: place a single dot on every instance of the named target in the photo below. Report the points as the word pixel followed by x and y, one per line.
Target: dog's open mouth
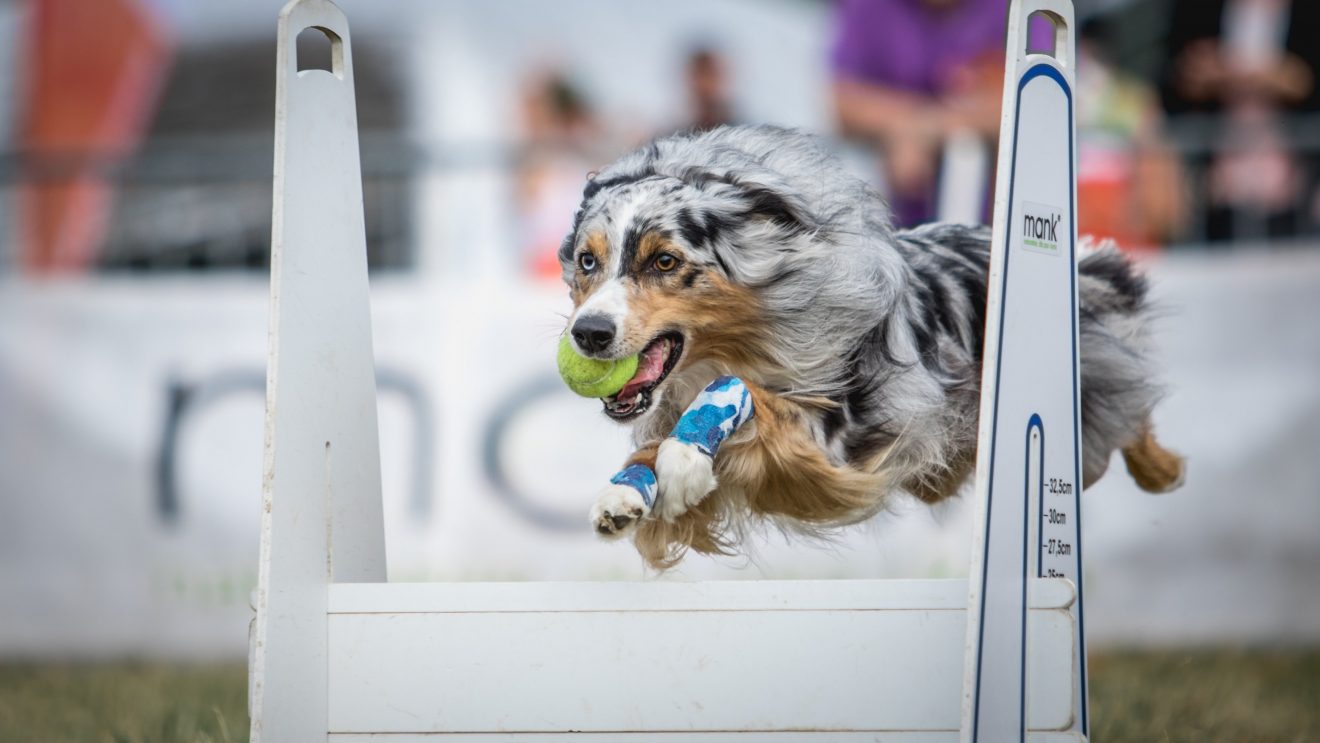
pixel 655 362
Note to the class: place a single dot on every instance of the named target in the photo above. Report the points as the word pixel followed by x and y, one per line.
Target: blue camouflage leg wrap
pixel 717 412
pixel 713 416
pixel 640 478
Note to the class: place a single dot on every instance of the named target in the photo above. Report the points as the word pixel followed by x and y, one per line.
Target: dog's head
pixel 663 266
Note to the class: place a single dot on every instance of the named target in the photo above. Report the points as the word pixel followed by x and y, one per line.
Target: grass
pixel 1217 696
pixel 123 703
pixel 1205 696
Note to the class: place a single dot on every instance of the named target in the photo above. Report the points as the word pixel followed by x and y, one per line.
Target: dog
pixel 751 252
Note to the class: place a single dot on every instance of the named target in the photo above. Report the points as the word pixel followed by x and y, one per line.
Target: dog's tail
pixel 1155 469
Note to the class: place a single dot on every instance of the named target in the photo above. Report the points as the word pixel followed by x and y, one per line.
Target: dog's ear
pixel 757 200
pixel 780 208
pixel 595 184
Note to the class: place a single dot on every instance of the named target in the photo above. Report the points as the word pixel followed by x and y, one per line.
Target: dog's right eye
pixel 587 262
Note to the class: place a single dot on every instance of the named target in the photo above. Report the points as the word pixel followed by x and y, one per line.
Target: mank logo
pixel 1042 228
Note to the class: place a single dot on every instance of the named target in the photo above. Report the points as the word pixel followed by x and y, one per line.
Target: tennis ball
pixel 593 377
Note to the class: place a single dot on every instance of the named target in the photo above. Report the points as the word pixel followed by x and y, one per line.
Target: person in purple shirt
pixel 909 72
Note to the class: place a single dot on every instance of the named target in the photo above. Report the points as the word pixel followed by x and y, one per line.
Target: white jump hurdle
pixel 339 653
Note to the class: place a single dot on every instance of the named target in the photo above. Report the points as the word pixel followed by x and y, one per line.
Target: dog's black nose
pixel 593 333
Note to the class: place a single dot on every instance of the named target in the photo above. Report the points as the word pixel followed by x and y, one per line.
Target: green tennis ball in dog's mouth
pixel 593 377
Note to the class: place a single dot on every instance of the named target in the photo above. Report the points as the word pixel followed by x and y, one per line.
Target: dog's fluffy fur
pixel 861 344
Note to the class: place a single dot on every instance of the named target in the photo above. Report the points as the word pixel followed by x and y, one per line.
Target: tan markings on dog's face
pixel 657 259
pixel 720 321
pixel 661 291
pixel 584 282
pixel 659 280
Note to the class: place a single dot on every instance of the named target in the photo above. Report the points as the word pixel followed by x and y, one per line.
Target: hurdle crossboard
pixel 337 652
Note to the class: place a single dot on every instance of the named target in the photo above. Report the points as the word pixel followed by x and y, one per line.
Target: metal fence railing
pixel 203 203
pixel 1201 139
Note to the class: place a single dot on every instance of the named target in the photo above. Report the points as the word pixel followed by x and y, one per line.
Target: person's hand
pixel 911 158
pixel 974 96
pixel 1284 79
pixel 1201 72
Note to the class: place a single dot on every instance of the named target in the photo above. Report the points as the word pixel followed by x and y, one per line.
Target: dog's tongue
pixel 649 368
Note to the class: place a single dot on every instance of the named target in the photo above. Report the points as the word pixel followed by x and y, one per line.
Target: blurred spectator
pixel 556 113
pixel 706 76
pixel 908 73
pixel 1224 53
pixel 1129 183
pixel 561 135
pixel 1252 62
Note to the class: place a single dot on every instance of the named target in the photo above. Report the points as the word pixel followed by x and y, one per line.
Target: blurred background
pixel 135 184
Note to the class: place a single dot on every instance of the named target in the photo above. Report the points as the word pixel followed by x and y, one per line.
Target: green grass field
pixel 1207 697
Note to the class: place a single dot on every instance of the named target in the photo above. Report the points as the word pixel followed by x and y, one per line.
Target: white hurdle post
pixel 338 653
pixel 1028 470
pixel 322 518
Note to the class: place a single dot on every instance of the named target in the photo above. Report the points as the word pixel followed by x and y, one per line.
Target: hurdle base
pixel 714 661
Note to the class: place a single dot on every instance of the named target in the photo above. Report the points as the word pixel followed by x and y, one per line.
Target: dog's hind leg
pixel 1154 468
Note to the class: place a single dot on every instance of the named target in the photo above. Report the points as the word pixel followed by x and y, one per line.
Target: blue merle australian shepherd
pixel 750 252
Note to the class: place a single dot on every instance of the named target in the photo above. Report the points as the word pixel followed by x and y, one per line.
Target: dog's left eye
pixel 587 262
pixel 665 262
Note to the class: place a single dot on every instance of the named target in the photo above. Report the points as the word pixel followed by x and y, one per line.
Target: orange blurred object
pixel 1134 197
pixel 93 73
pixel 1104 199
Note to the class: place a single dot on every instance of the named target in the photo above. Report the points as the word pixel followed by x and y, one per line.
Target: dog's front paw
pixel 618 509
pixel 686 475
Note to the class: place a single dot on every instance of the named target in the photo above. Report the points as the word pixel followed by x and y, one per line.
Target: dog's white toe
pixel 617 510
pixel 685 474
